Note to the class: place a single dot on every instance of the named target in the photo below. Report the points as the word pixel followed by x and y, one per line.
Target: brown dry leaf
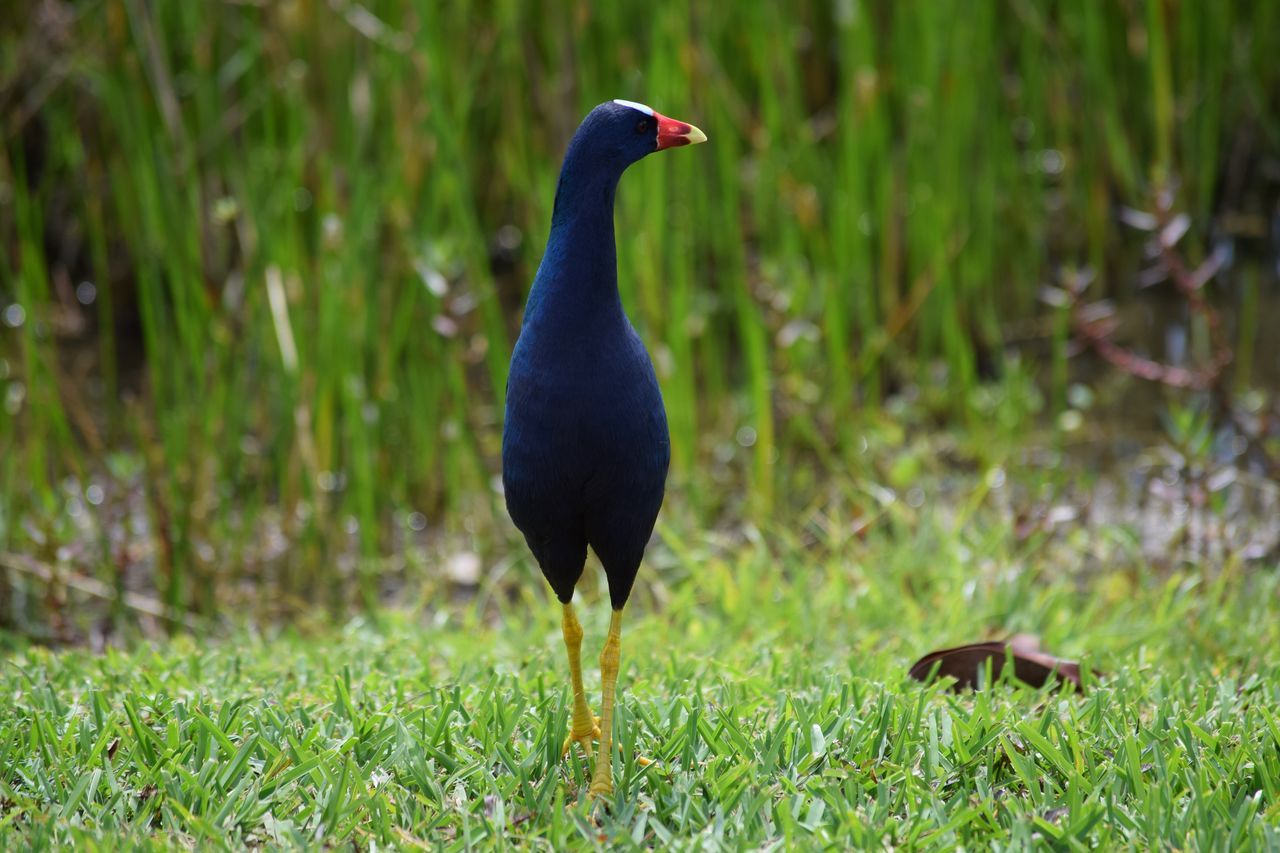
pixel 966 663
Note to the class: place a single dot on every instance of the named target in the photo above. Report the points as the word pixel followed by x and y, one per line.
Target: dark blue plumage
pixel 585 448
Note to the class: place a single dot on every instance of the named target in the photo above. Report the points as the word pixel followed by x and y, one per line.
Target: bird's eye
pixel 642 126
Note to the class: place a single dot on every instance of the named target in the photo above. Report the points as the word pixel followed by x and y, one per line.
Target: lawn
pixel 763 671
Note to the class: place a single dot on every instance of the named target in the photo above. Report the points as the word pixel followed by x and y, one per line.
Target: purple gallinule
pixel 585 446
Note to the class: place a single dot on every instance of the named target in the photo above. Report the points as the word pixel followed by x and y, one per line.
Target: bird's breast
pixel 581 404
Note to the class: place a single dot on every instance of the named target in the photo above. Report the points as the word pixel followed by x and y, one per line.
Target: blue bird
pixel 585 446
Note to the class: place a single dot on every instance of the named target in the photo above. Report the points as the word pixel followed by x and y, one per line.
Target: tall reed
pixel 314 223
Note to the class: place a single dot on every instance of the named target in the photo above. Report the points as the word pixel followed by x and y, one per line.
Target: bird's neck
pixel 579 274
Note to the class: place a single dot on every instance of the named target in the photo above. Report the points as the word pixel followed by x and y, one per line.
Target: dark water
pixel 1211 491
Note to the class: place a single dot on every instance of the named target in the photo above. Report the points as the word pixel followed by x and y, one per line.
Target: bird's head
pixel 612 137
pixel 622 132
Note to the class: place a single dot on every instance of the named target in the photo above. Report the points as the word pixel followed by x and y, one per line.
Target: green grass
pixel 289 211
pixel 764 672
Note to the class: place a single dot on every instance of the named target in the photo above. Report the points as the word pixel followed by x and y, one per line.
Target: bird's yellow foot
pixel 582 735
pixel 601 786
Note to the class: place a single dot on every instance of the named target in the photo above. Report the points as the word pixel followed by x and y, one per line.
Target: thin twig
pixel 97 589
pixel 1168 229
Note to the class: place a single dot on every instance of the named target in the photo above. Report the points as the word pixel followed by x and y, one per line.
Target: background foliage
pixel 263 262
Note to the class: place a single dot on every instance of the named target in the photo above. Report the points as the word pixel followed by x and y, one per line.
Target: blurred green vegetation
pixel 263 262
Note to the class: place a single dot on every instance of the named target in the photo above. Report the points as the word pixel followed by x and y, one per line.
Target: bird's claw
pixel 583 736
pixel 600 787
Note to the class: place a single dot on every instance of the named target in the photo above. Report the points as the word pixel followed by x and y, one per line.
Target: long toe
pixel 641 760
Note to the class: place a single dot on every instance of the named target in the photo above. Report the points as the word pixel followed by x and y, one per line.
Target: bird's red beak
pixel 673 133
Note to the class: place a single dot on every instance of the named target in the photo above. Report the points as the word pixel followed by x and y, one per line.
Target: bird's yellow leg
pixel 610 658
pixel 585 727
